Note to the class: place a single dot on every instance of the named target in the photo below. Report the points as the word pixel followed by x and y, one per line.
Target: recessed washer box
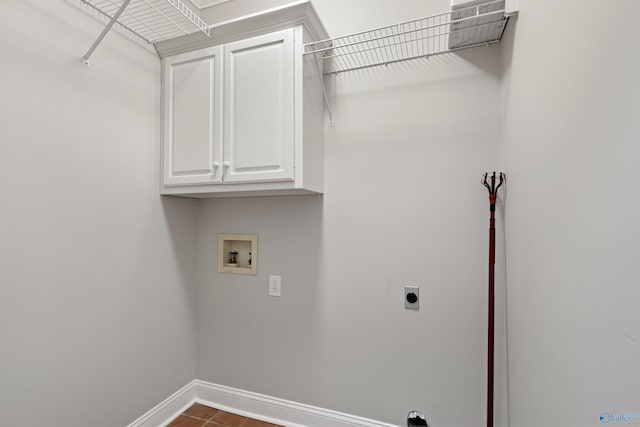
pixel 238 253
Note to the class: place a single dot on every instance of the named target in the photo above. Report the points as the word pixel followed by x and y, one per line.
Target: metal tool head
pixel 489 181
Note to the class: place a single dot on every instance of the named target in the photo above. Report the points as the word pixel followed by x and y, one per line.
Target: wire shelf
pixel 446 32
pixel 152 20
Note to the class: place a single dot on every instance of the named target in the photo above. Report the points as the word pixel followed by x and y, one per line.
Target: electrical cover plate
pixel 412 293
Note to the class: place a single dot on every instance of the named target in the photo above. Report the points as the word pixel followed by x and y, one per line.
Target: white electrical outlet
pixel 275 286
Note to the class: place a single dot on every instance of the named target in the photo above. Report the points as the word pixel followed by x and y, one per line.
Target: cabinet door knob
pixel 215 165
pixel 225 164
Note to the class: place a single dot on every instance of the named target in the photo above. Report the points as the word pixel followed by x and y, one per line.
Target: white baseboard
pixel 168 409
pixel 249 404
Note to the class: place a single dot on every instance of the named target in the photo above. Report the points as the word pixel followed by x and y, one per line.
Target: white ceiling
pixel 201 4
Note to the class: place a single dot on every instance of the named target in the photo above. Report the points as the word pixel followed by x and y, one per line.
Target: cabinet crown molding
pixel 299 12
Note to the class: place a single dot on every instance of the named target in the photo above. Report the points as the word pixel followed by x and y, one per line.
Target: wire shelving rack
pixel 151 20
pixel 461 28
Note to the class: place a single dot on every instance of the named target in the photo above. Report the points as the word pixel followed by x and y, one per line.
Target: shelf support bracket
pixel 324 89
pixel 85 58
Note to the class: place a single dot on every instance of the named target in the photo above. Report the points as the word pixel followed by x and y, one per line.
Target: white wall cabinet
pixel 193 118
pixel 244 117
pixel 258 101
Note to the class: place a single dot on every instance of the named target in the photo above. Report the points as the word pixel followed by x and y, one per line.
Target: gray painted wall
pixel 571 110
pixel 403 205
pixel 97 319
pixel 108 297
pixel 569 101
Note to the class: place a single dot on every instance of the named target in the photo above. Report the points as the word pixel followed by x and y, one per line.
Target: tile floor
pixel 203 416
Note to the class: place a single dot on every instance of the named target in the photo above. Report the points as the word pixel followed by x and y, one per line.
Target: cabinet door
pixel 259 115
pixel 192 88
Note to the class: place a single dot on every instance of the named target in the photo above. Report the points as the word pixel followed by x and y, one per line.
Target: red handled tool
pixel 492 183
